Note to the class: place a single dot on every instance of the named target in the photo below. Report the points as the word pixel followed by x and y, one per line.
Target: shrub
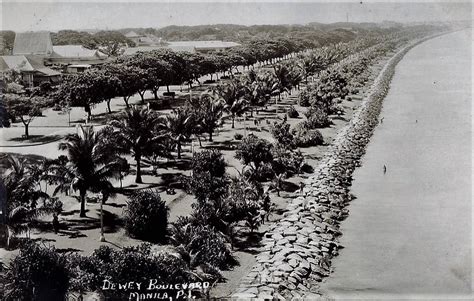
pixel 146 216
pixel 87 273
pixel 131 264
pixel 264 172
pixel 292 112
pixel 37 273
pixel 206 187
pixel 287 161
pixel 244 200
pixel 304 98
pixel 238 136
pixel 254 150
pixel 317 118
pixel 337 109
pixel 282 134
pixel 203 244
pixel 305 137
pixel 210 161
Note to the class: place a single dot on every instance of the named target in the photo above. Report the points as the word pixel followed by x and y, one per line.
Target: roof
pixel 38 43
pixel 148 40
pixel 26 64
pixel 190 49
pixel 133 50
pixel 76 51
pixel 132 34
pixel 17 62
pixel 203 45
pixel 48 71
pixel 80 66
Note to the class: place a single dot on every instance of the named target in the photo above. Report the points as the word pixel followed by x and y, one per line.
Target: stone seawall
pixel 297 250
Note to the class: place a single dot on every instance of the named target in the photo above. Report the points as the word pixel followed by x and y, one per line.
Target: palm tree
pixel 23 190
pixel 267 86
pixel 136 130
pixel 277 182
pixel 211 109
pixel 294 78
pixel 307 65
pixel 91 163
pixel 233 95
pixel 177 125
pixel 282 75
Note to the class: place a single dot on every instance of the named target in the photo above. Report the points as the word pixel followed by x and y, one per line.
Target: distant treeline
pixel 311 35
pixel 313 32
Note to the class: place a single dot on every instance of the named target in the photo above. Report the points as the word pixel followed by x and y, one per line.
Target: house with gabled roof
pixel 33 71
pixel 38 46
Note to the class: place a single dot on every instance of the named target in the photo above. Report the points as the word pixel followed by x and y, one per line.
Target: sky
pixel 54 15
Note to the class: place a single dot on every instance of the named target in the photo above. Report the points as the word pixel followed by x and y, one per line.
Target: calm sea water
pixel 409 232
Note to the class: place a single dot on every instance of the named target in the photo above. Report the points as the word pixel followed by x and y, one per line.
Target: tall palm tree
pixel 233 95
pixel 211 109
pixel 177 125
pixel 136 131
pixel 91 163
pixel 307 65
pixel 282 74
pixel 267 86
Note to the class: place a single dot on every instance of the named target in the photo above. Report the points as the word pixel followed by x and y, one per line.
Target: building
pixel 33 43
pixel 134 37
pixel 78 68
pixel 133 50
pixel 185 46
pixel 32 69
pixel 143 39
pixel 37 49
pixel 66 55
pixel 202 46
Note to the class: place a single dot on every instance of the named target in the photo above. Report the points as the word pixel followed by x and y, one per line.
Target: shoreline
pixel 407 215
pixel 295 258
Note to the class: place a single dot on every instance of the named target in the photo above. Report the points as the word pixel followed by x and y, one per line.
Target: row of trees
pixel 129 75
pixel 224 204
pixel 141 72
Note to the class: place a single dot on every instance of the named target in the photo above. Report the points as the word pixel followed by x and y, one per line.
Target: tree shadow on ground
pixel 339 118
pixel 181 164
pixel 171 180
pixel 112 223
pixel 42 239
pixel 115 205
pixel 68 250
pixel 288 186
pixel 227 145
pixel 249 242
pixel 36 138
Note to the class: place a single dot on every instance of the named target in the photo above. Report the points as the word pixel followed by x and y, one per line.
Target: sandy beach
pixel 409 232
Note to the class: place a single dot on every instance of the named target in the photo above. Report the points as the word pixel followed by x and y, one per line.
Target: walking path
pixel 409 232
